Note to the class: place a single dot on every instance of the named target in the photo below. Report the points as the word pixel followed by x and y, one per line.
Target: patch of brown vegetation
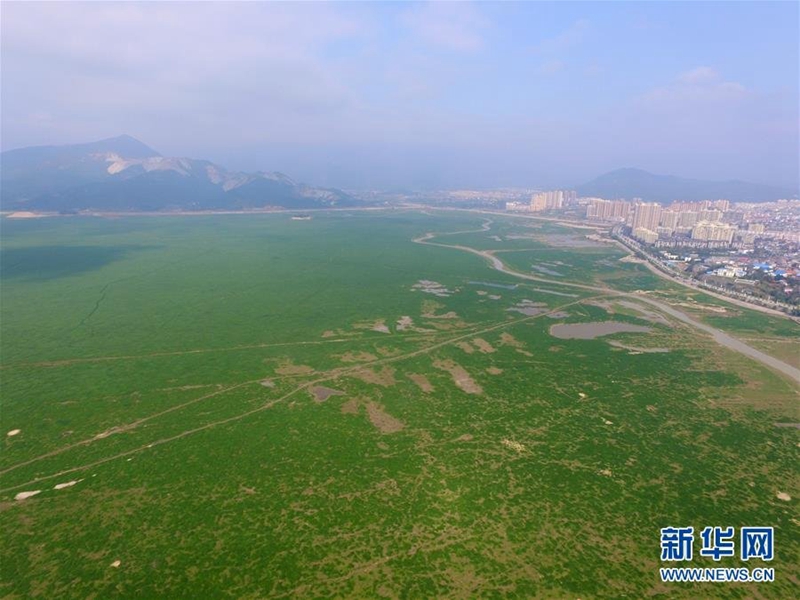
pixel 421 381
pixel 356 357
pixel 513 445
pixel 429 308
pixel 328 334
pixel 465 346
pixel 494 371
pixel 383 351
pixel 483 345
pixel 460 376
pixel 322 393
pixel 380 326
pixel 507 339
pixel 384 377
pixel 289 368
pixel 385 422
pixel 350 407
pixel 404 322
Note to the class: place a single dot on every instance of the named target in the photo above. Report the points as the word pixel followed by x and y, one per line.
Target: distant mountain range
pixel 123 174
pixel 636 183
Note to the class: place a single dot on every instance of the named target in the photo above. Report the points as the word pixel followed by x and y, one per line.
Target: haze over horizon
pixel 416 95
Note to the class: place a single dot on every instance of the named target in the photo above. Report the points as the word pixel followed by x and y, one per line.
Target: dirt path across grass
pixel 327 376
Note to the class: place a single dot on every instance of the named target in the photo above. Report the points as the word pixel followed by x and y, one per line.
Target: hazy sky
pixel 416 95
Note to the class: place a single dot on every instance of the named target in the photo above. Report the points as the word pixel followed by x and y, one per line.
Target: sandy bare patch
pixel 506 339
pixel 581 395
pixel 494 297
pixel 322 393
pixel 783 496
pixel 328 334
pixel 350 407
pixel 13 432
pixel 26 495
pixel 483 345
pixel 605 472
pixel 385 422
pixel 384 377
pixel 432 287
pixel 481 293
pixel 637 350
pixel 590 331
pixel 421 381
pixel 528 308
pixel 380 326
pixel 289 368
pixel 357 357
pixel 467 437
pixel 514 445
pixel 61 486
pixel 559 314
pixel 460 376
pixel 465 346
pixel 267 383
pixel 116 564
pixel 404 322
pixel 494 371
pixel 631 259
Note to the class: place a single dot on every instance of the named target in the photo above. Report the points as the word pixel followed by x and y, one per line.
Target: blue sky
pixel 417 94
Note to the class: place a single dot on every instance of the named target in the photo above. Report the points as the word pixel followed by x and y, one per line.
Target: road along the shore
pixel 718 336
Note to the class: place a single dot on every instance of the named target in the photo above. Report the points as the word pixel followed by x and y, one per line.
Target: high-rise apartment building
pixel 547 200
pixel 670 219
pixel 687 218
pixel 716 232
pixel 710 214
pixel 646 215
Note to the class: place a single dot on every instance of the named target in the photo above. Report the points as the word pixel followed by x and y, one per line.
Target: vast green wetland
pixel 256 406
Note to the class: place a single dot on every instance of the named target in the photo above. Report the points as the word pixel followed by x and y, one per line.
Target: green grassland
pixel 167 366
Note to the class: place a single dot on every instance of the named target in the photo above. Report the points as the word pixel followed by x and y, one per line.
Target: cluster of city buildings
pixel 704 224
pixel 551 200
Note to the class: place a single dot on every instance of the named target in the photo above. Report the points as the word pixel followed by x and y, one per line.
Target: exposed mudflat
pixel 528 307
pixel 421 381
pixel 590 331
pixel 460 376
pixel 385 422
pixel 322 393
